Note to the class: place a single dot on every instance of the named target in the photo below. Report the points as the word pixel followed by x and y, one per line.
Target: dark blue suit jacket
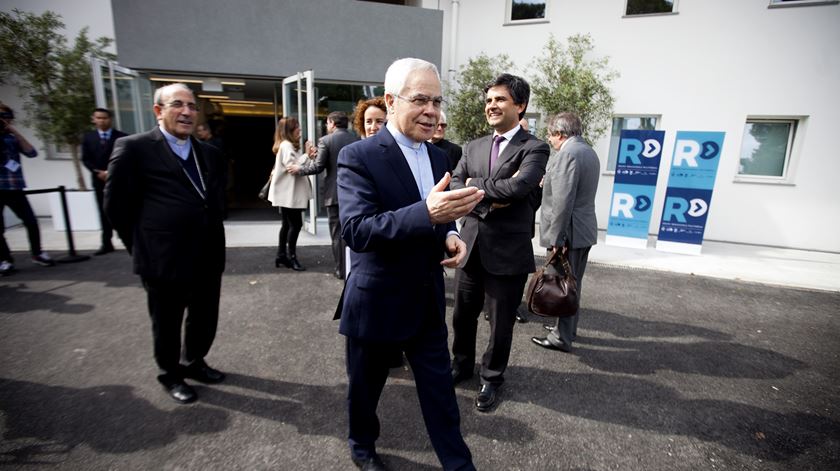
pixel 395 271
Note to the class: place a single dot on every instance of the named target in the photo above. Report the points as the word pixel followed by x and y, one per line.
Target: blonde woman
pixel 289 192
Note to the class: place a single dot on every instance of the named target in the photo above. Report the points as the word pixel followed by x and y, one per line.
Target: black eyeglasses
pixel 178 105
pixel 421 101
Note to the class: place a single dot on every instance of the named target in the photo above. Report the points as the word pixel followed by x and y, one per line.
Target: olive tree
pixel 465 112
pixel 54 79
pixel 568 78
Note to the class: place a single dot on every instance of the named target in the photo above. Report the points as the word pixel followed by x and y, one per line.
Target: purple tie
pixel 494 151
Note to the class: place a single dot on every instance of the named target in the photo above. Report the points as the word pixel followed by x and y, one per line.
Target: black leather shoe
pixel 459 375
pixel 282 260
pixel 549 328
pixel 487 396
pixel 338 274
pixel 179 390
pixel 295 265
pixel 373 463
pixel 544 343
pixel 199 371
pixel 521 319
pixel 104 249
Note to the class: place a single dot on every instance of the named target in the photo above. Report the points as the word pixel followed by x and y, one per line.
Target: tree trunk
pixel 77 166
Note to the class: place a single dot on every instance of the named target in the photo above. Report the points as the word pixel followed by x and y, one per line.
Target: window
pixel 797 3
pixel 526 11
pixel 766 149
pixel 650 7
pixel 637 122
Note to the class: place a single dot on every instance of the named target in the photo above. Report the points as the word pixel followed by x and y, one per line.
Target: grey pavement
pixel 672 371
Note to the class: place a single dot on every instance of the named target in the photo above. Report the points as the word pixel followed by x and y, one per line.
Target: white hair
pixel 399 71
pixel 442 119
pixel 167 90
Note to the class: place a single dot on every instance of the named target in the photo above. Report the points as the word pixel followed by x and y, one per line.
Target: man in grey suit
pixel 508 166
pixel 568 211
pixel 328 147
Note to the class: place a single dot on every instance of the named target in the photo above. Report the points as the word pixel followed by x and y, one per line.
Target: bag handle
pixel 564 261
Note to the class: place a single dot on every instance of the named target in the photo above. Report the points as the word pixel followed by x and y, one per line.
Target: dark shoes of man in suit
pixel 545 343
pixel 105 249
pixel 178 389
pixel 487 397
pixel 201 372
pixel 459 375
pixel 374 463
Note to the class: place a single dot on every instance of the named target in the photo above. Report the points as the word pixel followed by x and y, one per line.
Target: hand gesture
pixel 457 250
pixel 446 206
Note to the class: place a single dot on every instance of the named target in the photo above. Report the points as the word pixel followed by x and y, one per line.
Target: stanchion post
pixel 71 248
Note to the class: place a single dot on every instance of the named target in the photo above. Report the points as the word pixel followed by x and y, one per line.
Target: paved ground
pixel 672 372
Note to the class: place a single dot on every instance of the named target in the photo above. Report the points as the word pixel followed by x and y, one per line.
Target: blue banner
pixel 689 195
pixel 636 171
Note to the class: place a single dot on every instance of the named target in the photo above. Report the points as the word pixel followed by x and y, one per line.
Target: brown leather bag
pixel 550 293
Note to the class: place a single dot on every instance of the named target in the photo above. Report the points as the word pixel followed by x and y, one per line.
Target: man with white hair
pixel 453 151
pixel 165 197
pixel 397 217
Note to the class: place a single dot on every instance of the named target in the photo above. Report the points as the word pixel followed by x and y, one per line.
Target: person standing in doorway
pixel 327 160
pixel 96 150
pixel 567 219
pixel 165 195
pixel 508 166
pixel 290 192
pixel 12 194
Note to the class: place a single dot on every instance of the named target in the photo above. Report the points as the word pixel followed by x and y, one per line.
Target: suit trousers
pixel 335 235
pixel 367 370
pixel 107 230
pixel 500 296
pixel 167 302
pixel 565 329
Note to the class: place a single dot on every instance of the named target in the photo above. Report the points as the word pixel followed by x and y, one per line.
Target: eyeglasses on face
pixel 178 105
pixel 421 101
pixel 442 125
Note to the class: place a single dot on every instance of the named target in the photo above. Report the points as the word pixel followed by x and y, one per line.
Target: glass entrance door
pixel 299 102
pixel 125 93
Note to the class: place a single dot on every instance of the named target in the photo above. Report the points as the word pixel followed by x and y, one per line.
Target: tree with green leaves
pixel 465 112
pixel 54 79
pixel 569 79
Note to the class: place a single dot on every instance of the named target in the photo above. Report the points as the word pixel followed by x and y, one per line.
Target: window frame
pixel 674 11
pixel 800 3
pixel 792 150
pixel 657 127
pixel 509 11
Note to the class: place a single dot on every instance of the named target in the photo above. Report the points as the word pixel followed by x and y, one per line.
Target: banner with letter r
pixel 689 194
pixel 636 172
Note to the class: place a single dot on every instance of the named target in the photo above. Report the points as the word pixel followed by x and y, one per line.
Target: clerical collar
pixel 174 140
pixel 401 138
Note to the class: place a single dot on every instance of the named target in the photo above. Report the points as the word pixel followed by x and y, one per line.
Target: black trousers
pixel 337 241
pixel 167 302
pixel 107 230
pixel 500 295
pixel 289 231
pixel 17 202
pixel 367 370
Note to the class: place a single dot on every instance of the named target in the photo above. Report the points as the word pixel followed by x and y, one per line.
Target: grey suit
pixel 499 251
pixel 327 158
pixel 568 215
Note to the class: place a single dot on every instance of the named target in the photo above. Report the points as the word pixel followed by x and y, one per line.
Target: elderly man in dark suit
pixel 164 195
pixel 453 151
pixel 398 224
pixel 327 159
pixel 568 219
pixel 96 150
pixel 508 166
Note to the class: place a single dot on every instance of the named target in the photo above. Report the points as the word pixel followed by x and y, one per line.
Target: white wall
pixel 706 69
pixel 40 172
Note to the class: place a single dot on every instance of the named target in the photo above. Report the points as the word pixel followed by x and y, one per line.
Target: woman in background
pixel 369 116
pixel 290 192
